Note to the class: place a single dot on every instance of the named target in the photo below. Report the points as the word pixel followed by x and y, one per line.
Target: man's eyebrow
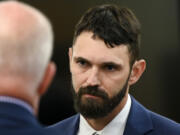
pixel 81 59
pixel 111 63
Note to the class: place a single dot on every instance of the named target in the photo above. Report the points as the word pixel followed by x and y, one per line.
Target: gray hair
pixel 26 41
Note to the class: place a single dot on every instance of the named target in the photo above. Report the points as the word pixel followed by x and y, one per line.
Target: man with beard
pixel 104 62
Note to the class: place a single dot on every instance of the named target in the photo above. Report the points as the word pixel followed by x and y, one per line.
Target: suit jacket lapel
pixel 70 126
pixel 74 125
pixel 139 121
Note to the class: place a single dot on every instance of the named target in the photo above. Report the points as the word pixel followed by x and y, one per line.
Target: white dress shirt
pixel 115 127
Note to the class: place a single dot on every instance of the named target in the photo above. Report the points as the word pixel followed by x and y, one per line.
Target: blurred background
pixel 158 89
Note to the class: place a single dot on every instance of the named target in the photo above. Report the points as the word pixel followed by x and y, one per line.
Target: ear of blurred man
pixel 47 78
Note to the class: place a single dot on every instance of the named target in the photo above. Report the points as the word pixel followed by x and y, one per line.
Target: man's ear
pixel 48 77
pixel 137 70
pixel 70 57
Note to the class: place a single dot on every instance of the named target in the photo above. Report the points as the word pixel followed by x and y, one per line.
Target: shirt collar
pixel 19 102
pixel 115 127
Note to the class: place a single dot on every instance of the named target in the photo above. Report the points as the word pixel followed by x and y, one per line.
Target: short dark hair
pixel 114 25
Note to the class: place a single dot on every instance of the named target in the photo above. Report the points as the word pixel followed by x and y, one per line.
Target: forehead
pixel 95 50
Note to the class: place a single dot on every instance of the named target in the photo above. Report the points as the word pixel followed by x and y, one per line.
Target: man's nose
pixel 93 77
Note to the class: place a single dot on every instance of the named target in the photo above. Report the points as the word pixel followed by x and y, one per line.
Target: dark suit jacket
pixel 16 120
pixel 140 122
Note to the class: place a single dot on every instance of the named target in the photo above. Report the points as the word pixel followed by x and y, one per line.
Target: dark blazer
pixel 140 122
pixel 16 120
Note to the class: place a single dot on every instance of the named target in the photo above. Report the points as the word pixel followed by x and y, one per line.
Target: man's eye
pixel 110 67
pixel 82 63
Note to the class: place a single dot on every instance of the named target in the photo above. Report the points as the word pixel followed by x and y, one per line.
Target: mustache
pixel 92 90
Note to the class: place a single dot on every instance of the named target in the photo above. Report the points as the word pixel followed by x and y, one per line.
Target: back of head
pixel 115 26
pixel 26 41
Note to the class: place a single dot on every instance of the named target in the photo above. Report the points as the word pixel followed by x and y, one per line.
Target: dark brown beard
pixel 91 108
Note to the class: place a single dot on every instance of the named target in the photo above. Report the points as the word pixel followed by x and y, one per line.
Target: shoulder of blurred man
pixel 17 120
pixel 140 121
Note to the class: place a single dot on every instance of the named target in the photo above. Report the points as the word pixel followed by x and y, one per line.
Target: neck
pixel 15 88
pixel 100 123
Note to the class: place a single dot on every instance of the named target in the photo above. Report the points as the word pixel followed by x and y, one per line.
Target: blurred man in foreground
pixel 104 62
pixel 26 42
